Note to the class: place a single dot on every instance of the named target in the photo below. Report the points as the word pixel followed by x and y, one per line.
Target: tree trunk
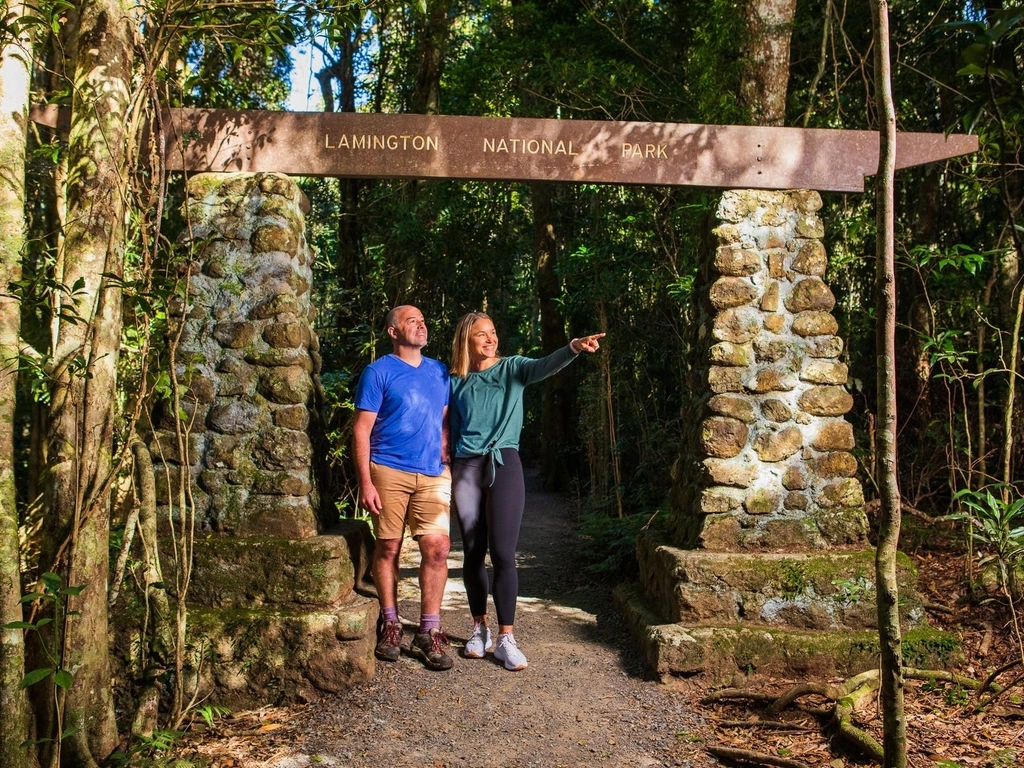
pixel 555 410
pixel 15 72
pixel 894 740
pixel 765 81
pixel 84 396
pixel 431 41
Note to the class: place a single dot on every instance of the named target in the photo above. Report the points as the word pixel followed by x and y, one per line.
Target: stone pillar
pixel 767 567
pixel 770 468
pixel 272 599
pixel 247 359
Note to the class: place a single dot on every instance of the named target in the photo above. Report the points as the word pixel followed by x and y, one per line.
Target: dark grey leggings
pixel 490 515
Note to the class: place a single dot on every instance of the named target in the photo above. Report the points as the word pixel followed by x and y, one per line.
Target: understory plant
pixel 996 522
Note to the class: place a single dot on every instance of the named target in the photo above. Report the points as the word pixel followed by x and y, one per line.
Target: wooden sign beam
pixel 522 149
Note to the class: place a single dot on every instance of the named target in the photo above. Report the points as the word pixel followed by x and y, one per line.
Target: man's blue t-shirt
pixel 409 403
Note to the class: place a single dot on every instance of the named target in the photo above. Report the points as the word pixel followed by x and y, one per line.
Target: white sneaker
pixel 479 641
pixel 508 652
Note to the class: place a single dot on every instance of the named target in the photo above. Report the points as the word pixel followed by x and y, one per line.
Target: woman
pixel 485 411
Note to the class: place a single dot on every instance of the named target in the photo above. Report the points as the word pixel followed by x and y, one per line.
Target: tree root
pixel 837 715
pixel 758 758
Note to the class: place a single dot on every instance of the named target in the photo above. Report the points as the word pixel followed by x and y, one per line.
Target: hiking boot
pixel 507 651
pixel 389 640
pixel 479 641
pixel 432 648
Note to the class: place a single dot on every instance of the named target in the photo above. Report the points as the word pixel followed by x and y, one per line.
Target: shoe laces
pixel 392 633
pixel 438 641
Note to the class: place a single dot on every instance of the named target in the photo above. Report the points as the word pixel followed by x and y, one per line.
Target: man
pixel 400 444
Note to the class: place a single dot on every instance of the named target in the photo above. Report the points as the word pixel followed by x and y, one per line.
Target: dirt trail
pixel 584 699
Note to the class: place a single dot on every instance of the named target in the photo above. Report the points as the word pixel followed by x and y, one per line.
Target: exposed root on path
pixel 834 705
pixel 757 758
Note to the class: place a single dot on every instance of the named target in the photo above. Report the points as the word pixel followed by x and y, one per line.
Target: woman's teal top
pixel 485 410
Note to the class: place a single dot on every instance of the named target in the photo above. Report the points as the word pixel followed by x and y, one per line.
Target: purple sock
pixel 390 614
pixel 428 622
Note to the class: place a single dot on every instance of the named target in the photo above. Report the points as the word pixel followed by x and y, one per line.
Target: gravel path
pixel 583 700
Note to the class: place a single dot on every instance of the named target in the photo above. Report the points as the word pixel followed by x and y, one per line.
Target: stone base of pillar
pixel 253 658
pixel 727 616
pixel 274 620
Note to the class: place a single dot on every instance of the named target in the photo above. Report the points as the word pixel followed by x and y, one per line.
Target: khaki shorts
pixel 421 501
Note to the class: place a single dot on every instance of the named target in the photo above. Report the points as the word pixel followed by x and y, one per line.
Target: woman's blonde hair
pixel 460 344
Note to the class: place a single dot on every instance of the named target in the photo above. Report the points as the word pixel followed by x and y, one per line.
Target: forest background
pixel 89 227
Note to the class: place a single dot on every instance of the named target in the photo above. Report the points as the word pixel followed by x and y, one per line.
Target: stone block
pixel 275 656
pixel 794 479
pixel 278 448
pixel 810 226
pixel 728 292
pixel 274 357
pixel 729 354
pixel 771 350
pixel 775 323
pixel 284 307
pixel 826 401
pixel 810 294
pixel 761 501
pixel 835 464
pixel 717 500
pixel 728 234
pixel 776 410
pixel 275 238
pixel 795 500
pixel 721 533
pixel 723 437
pixel 252 572
pixel 770 298
pixel 168 479
pixel 843 493
pixel 734 472
pixel 236 417
pixel 286 335
pixel 811 259
pixel 811 590
pixel 291 517
pixel 826 346
pixel 291 417
pixel 286 385
pixel 834 435
pixel 776 446
pixel 814 323
pixel 825 372
pixel 736 407
pixel 738 325
pixel 200 389
pixel 227 451
pixel 785 533
pixel 167 447
pixel 733 261
pixel 234 334
pixel 722 379
pixel 295 482
pixel 771 380
pixel 842 526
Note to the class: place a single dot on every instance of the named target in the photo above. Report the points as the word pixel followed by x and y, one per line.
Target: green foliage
pixel 996 523
pixel 53 602
pixel 608 544
pixel 154 751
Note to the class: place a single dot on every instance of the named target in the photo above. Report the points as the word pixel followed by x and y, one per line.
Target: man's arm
pixel 446 453
pixel 369 499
